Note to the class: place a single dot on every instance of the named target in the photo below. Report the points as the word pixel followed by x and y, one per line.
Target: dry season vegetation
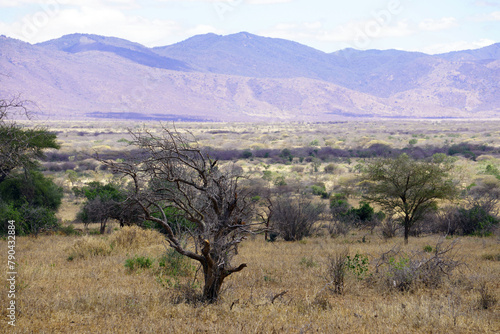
pixel 282 290
pixel 341 276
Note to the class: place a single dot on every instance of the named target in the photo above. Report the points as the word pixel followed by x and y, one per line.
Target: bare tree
pixel 177 173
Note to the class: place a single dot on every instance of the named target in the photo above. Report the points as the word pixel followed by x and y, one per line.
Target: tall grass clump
pixel 134 237
pixel 87 247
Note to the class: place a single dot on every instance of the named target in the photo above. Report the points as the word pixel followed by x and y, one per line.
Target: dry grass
pixel 283 288
pixel 97 294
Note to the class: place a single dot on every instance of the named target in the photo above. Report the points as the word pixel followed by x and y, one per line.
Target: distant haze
pixel 245 77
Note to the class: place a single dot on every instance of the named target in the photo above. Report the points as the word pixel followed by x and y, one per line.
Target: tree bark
pixel 214 274
pixel 407 232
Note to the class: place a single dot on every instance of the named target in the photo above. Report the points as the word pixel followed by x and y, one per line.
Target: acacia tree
pixel 177 174
pixel 26 196
pixel 20 148
pixel 408 188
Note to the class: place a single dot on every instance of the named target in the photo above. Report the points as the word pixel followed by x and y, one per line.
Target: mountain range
pixel 245 77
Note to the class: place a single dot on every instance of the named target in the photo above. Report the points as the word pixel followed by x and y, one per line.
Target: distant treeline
pixel 307 154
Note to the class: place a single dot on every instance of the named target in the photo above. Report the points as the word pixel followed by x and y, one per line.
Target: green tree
pixel 21 148
pixel 408 188
pixel 31 188
pixel 104 202
pixel 26 196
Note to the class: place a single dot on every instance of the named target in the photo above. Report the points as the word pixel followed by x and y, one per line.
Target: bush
pixel 389 228
pixel 337 265
pixel 69 230
pixel 247 154
pixel 331 168
pixel 476 221
pixel 294 218
pixel 28 219
pixel 138 262
pixel 31 188
pixel 319 189
pixel 308 262
pixel 358 265
pixel 177 222
pixel 409 271
pixel 175 264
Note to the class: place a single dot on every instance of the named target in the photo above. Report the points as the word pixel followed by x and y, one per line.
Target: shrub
pixel 175 264
pixel 319 189
pixel 294 218
pixel 138 262
pixel 336 271
pixel 476 221
pixel 247 154
pixel 28 219
pixel 337 228
pixel 408 271
pixel 491 257
pixel 358 265
pixel 428 249
pixel 389 228
pixel 331 168
pixel 33 189
pixel 69 230
pixel 487 298
pixel 297 169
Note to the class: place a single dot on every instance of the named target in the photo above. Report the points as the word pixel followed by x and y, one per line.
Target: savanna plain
pixel 341 277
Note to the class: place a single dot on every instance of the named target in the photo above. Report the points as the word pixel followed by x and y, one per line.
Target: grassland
pixel 98 294
pixel 81 284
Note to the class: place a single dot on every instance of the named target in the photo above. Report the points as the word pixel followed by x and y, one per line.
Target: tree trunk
pixel 213 283
pixel 103 228
pixel 214 275
pixel 407 232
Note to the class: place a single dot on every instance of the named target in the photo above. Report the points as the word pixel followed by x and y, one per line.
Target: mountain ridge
pixel 247 77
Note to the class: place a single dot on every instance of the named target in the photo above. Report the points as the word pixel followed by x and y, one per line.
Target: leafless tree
pixel 485 194
pixel 176 173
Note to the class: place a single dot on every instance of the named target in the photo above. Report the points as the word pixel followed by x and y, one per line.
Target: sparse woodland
pixel 265 228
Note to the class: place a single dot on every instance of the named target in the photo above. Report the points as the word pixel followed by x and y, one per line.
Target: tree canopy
pixel 408 188
pixel 26 196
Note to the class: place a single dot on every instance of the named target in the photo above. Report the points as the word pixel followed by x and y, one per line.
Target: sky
pixel 430 26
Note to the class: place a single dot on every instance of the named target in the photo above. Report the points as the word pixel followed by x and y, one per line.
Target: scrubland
pixel 283 290
pixel 127 281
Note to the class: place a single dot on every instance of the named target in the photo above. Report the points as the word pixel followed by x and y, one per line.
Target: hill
pixel 244 77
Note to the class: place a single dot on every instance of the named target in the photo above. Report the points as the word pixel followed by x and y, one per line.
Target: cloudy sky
pixel 430 26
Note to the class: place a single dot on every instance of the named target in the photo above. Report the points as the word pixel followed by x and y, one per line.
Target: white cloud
pixel 204 29
pixel 440 24
pixel 44 25
pixel 493 16
pixel 484 3
pixel 266 2
pixel 233 2
pixel 357 33
pixel 456 46
pixel 15 3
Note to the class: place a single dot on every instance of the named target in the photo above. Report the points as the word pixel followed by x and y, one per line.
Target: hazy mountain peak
pixel 135 52
pixel 245 76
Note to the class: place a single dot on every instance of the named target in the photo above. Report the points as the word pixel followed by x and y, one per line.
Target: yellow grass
pixel 97 294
